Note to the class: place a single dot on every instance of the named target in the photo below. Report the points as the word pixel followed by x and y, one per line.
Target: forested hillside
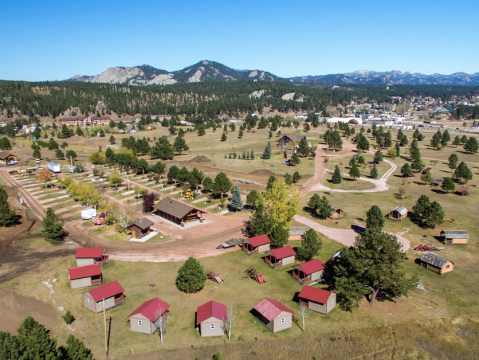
pixel 54 99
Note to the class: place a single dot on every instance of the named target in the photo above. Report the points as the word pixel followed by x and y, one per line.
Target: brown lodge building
pixel 178 212
pixel 85 121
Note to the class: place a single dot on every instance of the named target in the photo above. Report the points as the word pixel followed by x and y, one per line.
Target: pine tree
pixel 354 172
pixel 463 172
pixel 191 276
pixel 310 245
pixel 378 157
pixel 279 236
pixel 374 172
pixel 180 144
pixel 296 177
pixel 294 160
pixel 337 178
pixel 271 180
pixel 448 185
pixel 426 177
pixel 435 215
pixel 374 218
pixel 223 137
pixel 471 146
pixel 236 202
pixel 406 170
pixel 251 155
pixel 52 227
pixel 7 216
pixel 421 209
pixel 267 151
pixel 288 178
pixel 5 143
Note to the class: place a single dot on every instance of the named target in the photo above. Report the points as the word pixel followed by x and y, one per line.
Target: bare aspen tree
pixel 161 322
pixel 302 312
pixel 228 322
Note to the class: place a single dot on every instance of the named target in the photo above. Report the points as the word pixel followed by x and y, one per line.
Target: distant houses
pixel 436 263
pixel 89 256
pixel 145 319
pixel 286 139
pixel 210 318
pixel 318 300
pixel 455 236
pixel 274 315
pixel 85 121
pixel 256 245
pixel 108 296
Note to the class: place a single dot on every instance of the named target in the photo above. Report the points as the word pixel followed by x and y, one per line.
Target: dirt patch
pixel 262 172
pixel 200 159
pixel 15 308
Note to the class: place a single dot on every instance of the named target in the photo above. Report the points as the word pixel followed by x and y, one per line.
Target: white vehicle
pixel 38 161
pixel 54 167
pixel 12 162
pixel 88 214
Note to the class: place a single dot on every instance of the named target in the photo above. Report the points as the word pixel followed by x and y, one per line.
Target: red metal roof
pixel 84 271
pixel 314 294
pixel 312 266
pixel 259 240
pixel 283 252
pixel 210 309
pixel 89 252
pixel 106 291
pixel 270 308
pixel 151 309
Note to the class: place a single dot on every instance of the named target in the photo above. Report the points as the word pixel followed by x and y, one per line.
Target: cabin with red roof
pixel 210 318
pixel 84 276
pixel 111 294
pixel 145 319
pixel 318 300
pixel 274 315
pixel 89 256
pixel 309 271
pixel 257 244
pixel 280 257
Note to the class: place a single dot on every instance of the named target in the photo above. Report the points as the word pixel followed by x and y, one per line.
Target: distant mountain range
pixel 208 71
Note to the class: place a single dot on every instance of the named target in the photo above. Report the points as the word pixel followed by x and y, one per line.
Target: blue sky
pixel 55 40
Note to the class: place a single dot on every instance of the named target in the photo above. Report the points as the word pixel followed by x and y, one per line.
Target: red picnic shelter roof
pixel 315 294
pixel 89 252
pixel 283 252
pixel 210 309
pixel 151 309
pixel 259 240
pixel 84 271
pixel 106 291
pixel 312 266
pixel 270 308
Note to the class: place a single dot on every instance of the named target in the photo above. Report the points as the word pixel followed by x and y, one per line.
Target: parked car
pixel 12 162
pixel 38 161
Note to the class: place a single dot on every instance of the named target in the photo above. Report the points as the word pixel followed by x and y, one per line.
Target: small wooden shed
pixel 140 228
pixel 6 157
pixel 280 257
pixel 146 318
pixel 462 191
pixel 336 213
pixel 455 236
pixel 108 295
pixel 84 276
pixel 437 182
pixel 89 256
pixel 398 213
pixel 436 263
pixel 210 318
pixel 274 315
pixel 286 139
pixel 318 300
pixel 257 244
pixel 309 271
pixel 296 233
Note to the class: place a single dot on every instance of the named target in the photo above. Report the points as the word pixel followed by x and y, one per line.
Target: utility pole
pixel 104 323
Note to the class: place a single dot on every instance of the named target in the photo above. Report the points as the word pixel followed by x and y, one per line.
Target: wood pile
pixel 215 277
pixel 428 248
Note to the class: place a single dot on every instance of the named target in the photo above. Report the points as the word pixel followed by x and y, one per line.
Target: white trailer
pixel 88 214
pixel 56 168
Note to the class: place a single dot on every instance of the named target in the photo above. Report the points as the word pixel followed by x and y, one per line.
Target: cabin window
pixel 331 301
pixel 140 322
pixel 212 326
pixel 447 266
pixel 283 320
pixel 88 300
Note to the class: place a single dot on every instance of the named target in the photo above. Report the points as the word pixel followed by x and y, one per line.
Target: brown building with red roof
pixel 84 276
pixel 318 300
pixel 89 256
pixel 309 271
pixel 110 294
pixel 145 319
pixel 280 257
pixel 274 315
pixel 210 318
pixel 257 244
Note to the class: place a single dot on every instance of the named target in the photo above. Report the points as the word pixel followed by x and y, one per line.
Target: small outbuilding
pixel 146 318
pixel 398 213
pixel 318 300
pixel 286 139
pixel 177 212
pixel 336 213
pixel 436 263
pixel 89 256
pixel 257 244
pixel 6 157
pixel 109 295
pixel 280 257
pixel 84 276
pixel 455 236
pixel 274 315
pixel 297 233
pixel 309 271
pixel 210 318
pixel 140 228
